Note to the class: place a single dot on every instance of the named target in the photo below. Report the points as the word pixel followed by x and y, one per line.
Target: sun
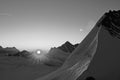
pixel 38 52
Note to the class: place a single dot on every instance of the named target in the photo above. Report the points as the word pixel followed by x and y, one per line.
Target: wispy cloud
pixel 5 14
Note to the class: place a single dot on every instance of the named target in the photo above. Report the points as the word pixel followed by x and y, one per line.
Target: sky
pixel 34 24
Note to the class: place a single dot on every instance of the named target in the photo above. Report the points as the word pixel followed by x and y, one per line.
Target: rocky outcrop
pixel 112 23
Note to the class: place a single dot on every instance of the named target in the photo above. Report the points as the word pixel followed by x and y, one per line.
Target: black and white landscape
pixel 18 65
pixel 59 40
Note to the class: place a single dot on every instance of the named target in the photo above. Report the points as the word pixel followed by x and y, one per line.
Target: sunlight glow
pixel 38 52
pixel 38 56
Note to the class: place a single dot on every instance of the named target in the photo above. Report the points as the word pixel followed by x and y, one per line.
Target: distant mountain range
pixel 12 51
pixel 8 50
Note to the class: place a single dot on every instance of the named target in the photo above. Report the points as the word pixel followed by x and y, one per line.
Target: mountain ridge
pixel 67 47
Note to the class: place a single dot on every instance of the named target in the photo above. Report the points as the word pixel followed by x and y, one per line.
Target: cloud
pixel 5 14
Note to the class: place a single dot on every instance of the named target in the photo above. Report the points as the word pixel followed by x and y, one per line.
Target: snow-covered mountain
pixel 105 64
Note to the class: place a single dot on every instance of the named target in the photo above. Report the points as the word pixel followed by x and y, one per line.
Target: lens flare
pixel 38 56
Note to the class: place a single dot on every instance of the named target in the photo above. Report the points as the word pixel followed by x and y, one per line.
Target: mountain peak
pixel 67 47
pixel 67 43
